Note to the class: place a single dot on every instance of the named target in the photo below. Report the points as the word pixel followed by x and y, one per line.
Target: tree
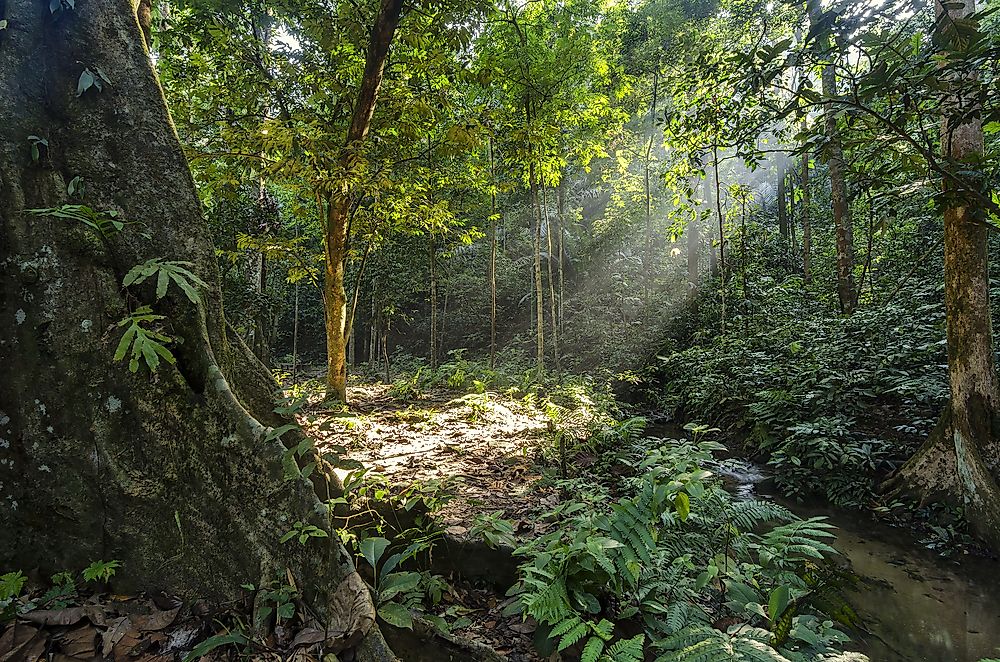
pixel 169 465
pixel 835 158
pixel 963 452
pixel 338 204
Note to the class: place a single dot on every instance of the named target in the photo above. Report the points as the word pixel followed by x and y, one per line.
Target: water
pixel 916 605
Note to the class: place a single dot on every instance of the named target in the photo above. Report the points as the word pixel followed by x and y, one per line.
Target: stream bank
pixel 916 605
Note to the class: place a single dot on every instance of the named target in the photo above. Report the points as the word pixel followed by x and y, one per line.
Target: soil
pixel 482 449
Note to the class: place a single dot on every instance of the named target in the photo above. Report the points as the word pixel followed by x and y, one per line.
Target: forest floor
pixel 476 454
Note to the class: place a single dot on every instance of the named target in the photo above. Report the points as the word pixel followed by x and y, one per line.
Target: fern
pixel 571 631
pixel 626 650
pixel 592 651
pixel 165 272
pixel 104 222
pixel 706 644
pixel 145 343
pixel 797 541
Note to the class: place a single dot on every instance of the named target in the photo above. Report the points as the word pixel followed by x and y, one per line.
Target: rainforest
pixel 499 330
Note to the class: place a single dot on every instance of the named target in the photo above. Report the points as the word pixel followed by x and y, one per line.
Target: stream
pixel 917 606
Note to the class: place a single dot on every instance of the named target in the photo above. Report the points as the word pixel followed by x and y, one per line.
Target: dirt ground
pixel 484 446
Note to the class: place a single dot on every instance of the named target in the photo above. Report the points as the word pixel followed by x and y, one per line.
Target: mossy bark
pixel 170 473
pixel 961 457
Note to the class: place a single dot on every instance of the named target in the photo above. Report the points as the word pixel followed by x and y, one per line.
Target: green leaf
pixel 212 643
pixel 396 583
pixel 592 651
pixel 683 505
pixel 373 549
pixel 286 610
pixel 778 602
pixel 86 80
pixel 396 614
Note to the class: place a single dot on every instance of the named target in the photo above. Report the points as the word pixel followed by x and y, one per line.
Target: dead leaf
pixel 307 637
pixel 129 645
pixel 116 630
pixel 96 615
pixel 527 627
pixel 21 642
pixel 352 613
pixel 69 616
pixel 155 621
pixel 80 642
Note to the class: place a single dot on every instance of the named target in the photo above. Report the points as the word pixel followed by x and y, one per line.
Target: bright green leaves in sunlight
pixel 166 272
pixel 104 222
pixel 140 342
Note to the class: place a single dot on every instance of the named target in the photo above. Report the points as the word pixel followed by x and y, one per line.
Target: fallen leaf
pixel 523 628
pixel 114 633
pixel 80 642
pixel 69 616
pixel 130 645
pixel 96 615
pixel 307 637
pixel 352 613
pixel 21 642
pixel 155 621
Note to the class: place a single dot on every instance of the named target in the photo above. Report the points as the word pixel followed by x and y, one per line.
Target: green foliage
pixel 303 532
pixel 277 599
pixel 217 641
pixel 495 530
pixel 811 391
pixel 166 272
pixel 62 593
pixel 657 556
pixel 706 644
pixel 100 571
pixel 104 222
pixel 141 342
pixel 37 145
pixel 91 79
pixel 11 584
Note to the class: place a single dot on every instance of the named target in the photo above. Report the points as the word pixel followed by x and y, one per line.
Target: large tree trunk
pixel 339 204
pixel 171 473
pixel 962 455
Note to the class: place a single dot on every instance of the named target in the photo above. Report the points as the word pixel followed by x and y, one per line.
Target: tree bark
pixel 173 474
pixel 339 203
pixel 838 186
pixel 961 456
pixel 536 214
pixel 553 304
pixel 693 250
pixel 647 260
pixel 806 222
pixel 784 228
pixel 492 274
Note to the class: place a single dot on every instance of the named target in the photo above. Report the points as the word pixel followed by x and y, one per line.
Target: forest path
pixel 478 447
pixel 473 453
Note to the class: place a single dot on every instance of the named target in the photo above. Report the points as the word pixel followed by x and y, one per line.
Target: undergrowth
pixel 679 567
pixel 832 405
